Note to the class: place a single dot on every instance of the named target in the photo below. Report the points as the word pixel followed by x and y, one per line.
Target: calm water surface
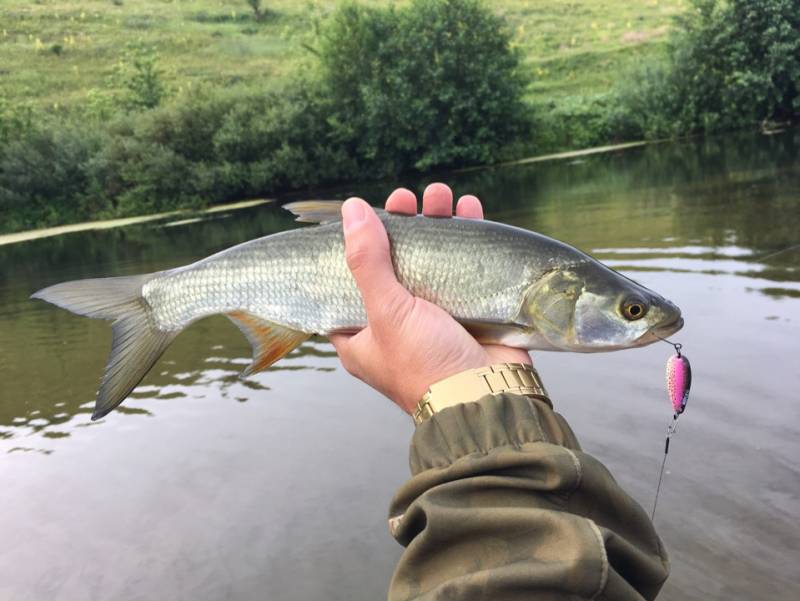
pixel 204 487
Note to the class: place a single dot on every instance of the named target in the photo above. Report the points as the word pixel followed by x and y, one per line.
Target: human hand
pixel 409 343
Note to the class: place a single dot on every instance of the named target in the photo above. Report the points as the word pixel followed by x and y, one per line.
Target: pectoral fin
pixel 269 340
pixel 507 334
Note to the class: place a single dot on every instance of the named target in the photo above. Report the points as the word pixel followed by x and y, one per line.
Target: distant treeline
pixel 434 84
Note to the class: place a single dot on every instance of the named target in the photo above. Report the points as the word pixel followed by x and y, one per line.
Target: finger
pixel 402 201
pixel 344 348
pixel 340 341
pixel 353 349
pixel 437 201
pixel 469 207
pixel 367 252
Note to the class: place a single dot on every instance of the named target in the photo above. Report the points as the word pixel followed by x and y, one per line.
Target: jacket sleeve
pixel 504 506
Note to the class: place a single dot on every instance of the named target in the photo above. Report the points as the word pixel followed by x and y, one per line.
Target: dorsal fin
pixel 316 211
pixel 269 340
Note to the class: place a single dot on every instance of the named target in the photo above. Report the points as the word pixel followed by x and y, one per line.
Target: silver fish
pixel 506 285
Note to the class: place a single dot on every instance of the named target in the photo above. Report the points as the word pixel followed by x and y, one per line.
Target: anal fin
pixel 270 341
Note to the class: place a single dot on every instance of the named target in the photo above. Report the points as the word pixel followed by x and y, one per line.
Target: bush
pixel 432 84
pixel 732 63
pixel 143 79
pixel 15 121
pixel 44 175
pixel 577 122
pixel 258 11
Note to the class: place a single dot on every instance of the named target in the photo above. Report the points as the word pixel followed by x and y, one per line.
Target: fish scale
pixel 300 278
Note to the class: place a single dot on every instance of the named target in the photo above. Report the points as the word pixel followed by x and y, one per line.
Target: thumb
pixel 366 248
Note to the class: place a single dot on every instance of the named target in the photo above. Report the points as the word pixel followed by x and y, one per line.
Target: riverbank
pixel 35 234
pixel 112 223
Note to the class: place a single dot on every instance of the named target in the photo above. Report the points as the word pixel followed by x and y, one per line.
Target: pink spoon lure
pixel 679 381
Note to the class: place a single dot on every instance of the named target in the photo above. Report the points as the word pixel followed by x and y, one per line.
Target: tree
pixel 435 83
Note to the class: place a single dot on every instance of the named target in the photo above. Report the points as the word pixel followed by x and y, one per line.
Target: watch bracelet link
pixel 472 384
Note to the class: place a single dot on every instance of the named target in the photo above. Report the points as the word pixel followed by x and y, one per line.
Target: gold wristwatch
pixel 471 385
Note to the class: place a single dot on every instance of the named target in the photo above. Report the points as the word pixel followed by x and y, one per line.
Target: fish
pixel 504 284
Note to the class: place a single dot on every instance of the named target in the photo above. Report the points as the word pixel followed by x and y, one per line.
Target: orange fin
pixel 269 340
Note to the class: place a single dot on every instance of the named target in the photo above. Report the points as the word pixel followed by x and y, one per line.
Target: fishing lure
pixel 679 381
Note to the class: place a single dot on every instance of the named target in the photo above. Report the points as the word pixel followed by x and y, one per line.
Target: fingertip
pixel 354 213
pixel 469 207
pixel 341 342
pixel 437 200
pixel 402 201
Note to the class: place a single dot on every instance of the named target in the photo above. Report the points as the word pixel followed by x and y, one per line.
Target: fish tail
pixel 137 342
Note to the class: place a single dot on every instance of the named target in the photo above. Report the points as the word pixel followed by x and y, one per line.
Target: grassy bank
pixel 60 53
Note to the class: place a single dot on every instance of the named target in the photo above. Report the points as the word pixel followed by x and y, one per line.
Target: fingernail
pixel 353 213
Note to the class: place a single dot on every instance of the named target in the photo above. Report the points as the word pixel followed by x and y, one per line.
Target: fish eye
pixel 634 308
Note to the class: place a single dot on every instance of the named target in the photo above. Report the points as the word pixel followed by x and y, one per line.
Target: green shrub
pixel 259 12
pixel 15 120
pixel 211 147
pixel 44 175
pixel 432 84
pixel 731 64
pixel 143 78
pixel 577 122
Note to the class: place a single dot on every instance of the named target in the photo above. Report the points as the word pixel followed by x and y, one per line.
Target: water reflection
pixel 183 374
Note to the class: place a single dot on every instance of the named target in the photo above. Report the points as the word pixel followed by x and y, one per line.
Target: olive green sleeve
pixel 504 506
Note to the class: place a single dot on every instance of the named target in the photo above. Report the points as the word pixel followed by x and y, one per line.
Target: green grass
pixel 56 53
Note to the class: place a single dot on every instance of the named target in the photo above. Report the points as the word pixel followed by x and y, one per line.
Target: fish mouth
pixel 668 329
pixel 661 332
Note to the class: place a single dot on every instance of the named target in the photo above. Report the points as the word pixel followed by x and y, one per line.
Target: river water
pixel 206 487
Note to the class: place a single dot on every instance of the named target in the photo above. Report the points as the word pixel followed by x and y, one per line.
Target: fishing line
pixel 671 429
pixel 679 381
pixel 776 253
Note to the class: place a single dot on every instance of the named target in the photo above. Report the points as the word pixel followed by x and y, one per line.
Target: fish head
pixel 588 307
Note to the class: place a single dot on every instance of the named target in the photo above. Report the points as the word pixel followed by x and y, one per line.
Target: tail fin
pixel 137 343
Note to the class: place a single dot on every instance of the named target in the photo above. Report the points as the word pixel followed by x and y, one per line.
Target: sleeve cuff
pixel 504 420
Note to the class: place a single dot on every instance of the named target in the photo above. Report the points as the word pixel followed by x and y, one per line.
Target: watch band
pixel 470 385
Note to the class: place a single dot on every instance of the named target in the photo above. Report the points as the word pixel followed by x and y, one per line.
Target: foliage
pixel 44 175
pixel 143 78
pixel 208 146
pixel 258 12
pixel 217 146
pixel 732 63
pixel 434 83
pixel 578 122
pixel 15 120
